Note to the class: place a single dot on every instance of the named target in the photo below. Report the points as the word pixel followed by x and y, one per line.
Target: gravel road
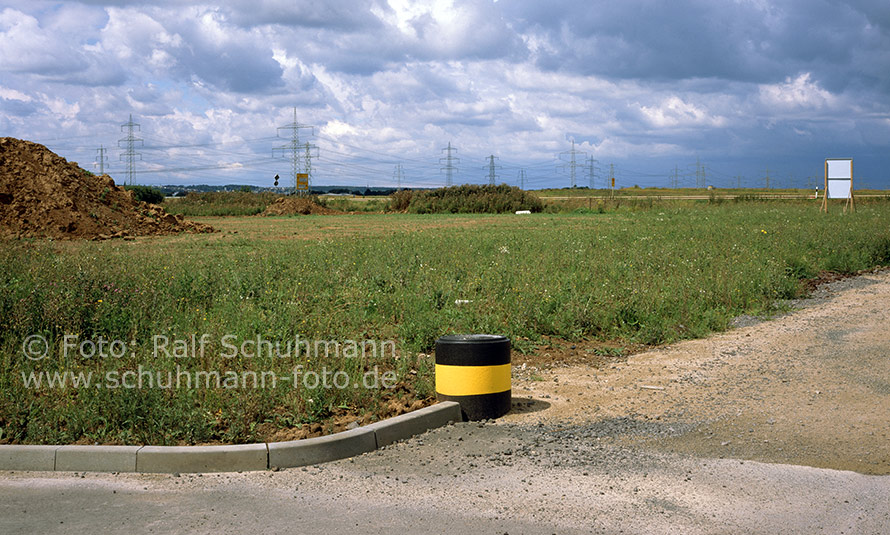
pixel 773 427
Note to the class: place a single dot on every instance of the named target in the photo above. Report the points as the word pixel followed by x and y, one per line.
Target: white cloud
pixel 797 93
pixel 675 112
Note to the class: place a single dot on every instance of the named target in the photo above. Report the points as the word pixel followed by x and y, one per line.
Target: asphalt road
pixel 466 478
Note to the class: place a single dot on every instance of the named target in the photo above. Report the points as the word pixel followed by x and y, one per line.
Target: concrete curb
pixel 415 423
pixel 229 458
pixel 322 449
pixel 96 458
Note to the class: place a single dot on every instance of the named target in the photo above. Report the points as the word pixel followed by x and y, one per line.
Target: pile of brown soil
pixel 45 195
pixel 298 206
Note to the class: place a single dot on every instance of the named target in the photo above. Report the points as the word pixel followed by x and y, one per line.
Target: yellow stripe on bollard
pixel 472 380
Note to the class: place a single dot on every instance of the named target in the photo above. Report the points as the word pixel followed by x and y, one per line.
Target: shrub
pixel 470 199
pixel 400 200
pixel 221 203
pixel 146 194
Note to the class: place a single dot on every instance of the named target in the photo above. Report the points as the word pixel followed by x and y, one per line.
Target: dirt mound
pixel 45 195
pixel 298 206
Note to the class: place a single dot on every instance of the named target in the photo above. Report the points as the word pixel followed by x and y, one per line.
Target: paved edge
pixel 229 458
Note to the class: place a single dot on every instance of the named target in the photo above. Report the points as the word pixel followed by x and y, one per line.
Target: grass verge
pixel 646 277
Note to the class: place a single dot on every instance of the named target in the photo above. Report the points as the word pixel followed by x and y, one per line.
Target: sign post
pixel 302 181
pixel 838 182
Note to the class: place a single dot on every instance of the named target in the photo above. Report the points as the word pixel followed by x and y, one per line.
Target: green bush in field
pixel 147 194
pixel 221 203
pixel 466 199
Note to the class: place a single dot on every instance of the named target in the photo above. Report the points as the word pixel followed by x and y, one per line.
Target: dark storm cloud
pixel 17 108
pixel 759 42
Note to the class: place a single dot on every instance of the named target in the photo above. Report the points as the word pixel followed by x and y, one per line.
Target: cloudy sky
pixel 648 89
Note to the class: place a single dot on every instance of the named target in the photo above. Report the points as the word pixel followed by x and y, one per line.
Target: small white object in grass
pixel 523 212
pixel 462 301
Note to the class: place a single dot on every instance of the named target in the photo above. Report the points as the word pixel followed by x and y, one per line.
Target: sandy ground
pixel 810 388
pixel 660 443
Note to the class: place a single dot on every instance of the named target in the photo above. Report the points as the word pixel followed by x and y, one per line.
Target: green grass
pixel 650 277
pixel 220 203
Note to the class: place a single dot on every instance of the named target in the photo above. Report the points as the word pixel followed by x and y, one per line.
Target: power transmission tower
pixel 309 148
pixel 293 147
pixel 767 178
pixel 101 159
pixel 701 179
pixel 591 171
pixel 611 180
pixel 398 175
pixel 738 179
pixel 572 163
pixel 522 177
pixel 130 151
pixel 675 177
pixel 492 177
pixel 449 167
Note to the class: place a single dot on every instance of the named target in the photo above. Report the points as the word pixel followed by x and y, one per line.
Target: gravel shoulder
pixel 811 387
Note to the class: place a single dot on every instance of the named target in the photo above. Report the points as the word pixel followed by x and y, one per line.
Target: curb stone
pixel 322 449
pixel 228 458
pixel 96 458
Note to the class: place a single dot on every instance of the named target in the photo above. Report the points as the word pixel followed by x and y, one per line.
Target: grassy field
pixel 645 277
pixel 219 203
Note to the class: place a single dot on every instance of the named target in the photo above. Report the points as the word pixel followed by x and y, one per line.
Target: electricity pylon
pixel 572 163
pixel 130 151
pixel 398 174
pixel 591 171
pixel 101 158
pixel 449 162
pixel 293 147
pixel 492 177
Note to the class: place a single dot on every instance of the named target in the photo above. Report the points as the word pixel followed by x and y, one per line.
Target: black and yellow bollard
pixel 474 370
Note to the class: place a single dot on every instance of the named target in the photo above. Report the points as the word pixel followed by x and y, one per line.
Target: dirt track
pixel 809 388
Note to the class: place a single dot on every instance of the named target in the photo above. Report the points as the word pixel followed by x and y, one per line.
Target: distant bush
pixel 466 199
pixel 400 200
pixel 146 194
pixel 221 203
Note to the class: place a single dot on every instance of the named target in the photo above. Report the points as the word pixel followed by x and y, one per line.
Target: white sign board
pixel 839 189
pixel 839 178
pixel 840 169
